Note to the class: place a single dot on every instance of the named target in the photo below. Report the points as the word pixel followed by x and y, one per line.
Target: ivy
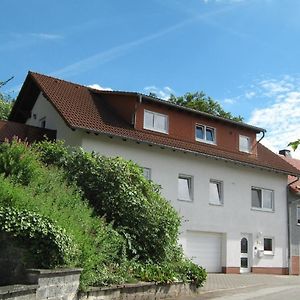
pixel 48 245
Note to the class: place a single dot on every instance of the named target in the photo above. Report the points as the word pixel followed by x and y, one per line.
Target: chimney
pixel 285 152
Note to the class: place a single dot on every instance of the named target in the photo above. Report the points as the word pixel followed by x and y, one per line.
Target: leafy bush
pixel 47 243
pixel 118 190
pixel 44 192
pixel 18 162
pixel 139 243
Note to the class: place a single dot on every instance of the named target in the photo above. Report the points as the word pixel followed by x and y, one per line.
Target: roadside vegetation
pixel 70 208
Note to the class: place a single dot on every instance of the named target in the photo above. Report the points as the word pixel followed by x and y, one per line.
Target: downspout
pixel 288 220
pixel 263 135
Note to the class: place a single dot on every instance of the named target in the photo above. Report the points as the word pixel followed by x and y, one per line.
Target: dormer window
pixel 205 134
pixel 244 144
pixel 155 121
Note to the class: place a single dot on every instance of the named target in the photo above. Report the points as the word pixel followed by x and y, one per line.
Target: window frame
pixel 190 180
pixel 298 215
pixel 249 143
pixel 269 252
pixel 152 128
pixel 149 173
pixel 42 122
pixel 221 184
pixel 262 208
pixel 205 127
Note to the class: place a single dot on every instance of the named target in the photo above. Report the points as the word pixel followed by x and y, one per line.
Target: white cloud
pixel 250 95
pixel 229 101
pixel 281 119
pixel 47 36
pixel 163 93
pixel 99 87
pixel 273 87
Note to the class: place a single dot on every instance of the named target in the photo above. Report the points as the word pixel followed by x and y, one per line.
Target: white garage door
pixel 204 248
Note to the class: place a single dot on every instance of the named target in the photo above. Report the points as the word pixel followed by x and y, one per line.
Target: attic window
pixel 244 144
pixel 155 121
pixel 43 122
pixel 205 134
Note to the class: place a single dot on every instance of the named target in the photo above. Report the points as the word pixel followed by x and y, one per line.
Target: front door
pixel 244 266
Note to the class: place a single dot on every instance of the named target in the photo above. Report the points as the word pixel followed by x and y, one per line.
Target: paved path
pixel 249 286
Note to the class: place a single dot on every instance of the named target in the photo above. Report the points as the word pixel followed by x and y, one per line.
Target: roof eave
pixel 189 151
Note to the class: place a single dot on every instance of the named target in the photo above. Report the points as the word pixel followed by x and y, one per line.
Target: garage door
pixel 204 248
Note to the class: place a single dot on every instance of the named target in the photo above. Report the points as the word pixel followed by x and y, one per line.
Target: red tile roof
pixel 83 107
pixel 295 185
pixel 10 130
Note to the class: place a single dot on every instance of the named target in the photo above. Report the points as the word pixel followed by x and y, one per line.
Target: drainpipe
pixel 263 135
pixel 289 221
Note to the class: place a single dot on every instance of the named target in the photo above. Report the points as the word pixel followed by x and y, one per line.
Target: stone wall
pixel 11 261
pixel 59 284
pixel 141 291
pixel 63 284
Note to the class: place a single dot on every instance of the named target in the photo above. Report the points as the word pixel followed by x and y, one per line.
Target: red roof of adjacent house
pixel 10 130
pixel 82 107
pixel 295 185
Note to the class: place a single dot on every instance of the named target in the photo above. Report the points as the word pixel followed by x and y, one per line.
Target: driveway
pixel 248 286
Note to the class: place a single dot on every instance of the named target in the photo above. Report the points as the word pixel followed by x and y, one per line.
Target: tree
pixel 294 144
pixel 6 102
pixel 199 101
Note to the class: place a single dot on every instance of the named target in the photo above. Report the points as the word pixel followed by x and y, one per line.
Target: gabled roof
pixel 294 185
pixel 82 107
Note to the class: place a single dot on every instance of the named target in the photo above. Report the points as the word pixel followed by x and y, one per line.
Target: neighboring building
pixel 294 214
pixel 229 189
pixel 10 130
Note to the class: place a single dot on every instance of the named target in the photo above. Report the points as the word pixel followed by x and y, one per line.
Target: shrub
pixel 48 245
pixel 117 189
pixel 44 192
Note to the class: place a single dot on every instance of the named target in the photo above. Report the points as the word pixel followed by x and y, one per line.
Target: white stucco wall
pixel 44 109
pixel 232 218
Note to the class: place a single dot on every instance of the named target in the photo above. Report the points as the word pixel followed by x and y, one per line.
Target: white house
pixel 230 190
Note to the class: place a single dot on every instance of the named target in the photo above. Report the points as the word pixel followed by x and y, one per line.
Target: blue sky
pixel 243 53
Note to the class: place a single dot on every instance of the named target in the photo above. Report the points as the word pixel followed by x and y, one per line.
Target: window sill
pixel 156 130
pixel 206 142
pixel 263 210
pixel 185 200
pixel 216 204
pixel 269 253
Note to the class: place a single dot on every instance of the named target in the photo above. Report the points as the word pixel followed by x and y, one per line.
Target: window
pixel 262 199
pixel 268 246
pixel 147 173
pixel 43 122
pixel 245 144
pixel 215 192
pixel 155 121
pixel 298 215
pixel 205 134
pixel 185 188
